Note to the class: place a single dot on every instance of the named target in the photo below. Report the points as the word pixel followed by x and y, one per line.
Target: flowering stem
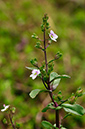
pixel 45 52
pixel 11 122
pixel 50 93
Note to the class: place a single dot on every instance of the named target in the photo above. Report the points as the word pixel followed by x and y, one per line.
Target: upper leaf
pixel 75 109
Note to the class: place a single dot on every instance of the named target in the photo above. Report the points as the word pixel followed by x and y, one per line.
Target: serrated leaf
pixel 47 124
pixel 75 109
pixel 34 93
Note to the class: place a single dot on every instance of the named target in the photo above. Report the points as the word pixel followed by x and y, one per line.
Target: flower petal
pixel 53 36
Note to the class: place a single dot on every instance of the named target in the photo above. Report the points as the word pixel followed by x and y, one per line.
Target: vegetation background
pixel 19 19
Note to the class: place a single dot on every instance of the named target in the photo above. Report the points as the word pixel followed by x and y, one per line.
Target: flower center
pixel 51 35
pixel 36 73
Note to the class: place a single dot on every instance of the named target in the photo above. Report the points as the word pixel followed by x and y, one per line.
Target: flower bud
pixel 79 92
pixel 13 110
pixel 58 55
pixel 34 36
pixel 59 96
pixel 4 121
pixel 71 100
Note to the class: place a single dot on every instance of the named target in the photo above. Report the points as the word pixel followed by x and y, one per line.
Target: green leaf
pixel 63 76
pixel 53 75
pixel 58 108
pixel 30 68
pixel 47 124
pixel 45 109
pixel 69 114
pixel 75 109
pixel 34 93
pixel 49 106
pixel 56 82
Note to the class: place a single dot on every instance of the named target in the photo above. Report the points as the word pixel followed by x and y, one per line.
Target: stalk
pixel 45 52
pixel 50 93
pixel 11 122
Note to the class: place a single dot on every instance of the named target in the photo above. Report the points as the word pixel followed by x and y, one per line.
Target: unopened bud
pixel 49 42
pixel 59 96
pixel 71 100
pixel 17 125
pixel 79 92
pixel 13 110
pixel 4 121
pixel 58 55
pixel 34 36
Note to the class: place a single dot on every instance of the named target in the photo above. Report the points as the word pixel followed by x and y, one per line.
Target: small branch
pixel 44 84
pixel 63 102
pixel 45 52
pixel 51 61
pixel 11 122
pixel 40 39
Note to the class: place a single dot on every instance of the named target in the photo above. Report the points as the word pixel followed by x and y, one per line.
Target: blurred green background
pixel 19 19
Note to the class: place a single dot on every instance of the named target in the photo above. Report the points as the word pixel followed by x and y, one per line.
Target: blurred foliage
pixel 18 21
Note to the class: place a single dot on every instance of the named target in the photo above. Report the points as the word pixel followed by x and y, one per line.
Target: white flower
pixel 5 108
pixel 35 73
pixel 53 36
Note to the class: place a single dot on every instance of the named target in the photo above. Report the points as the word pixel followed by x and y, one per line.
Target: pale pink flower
pixel 35 73
pixel 5 108
pixel 53 36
